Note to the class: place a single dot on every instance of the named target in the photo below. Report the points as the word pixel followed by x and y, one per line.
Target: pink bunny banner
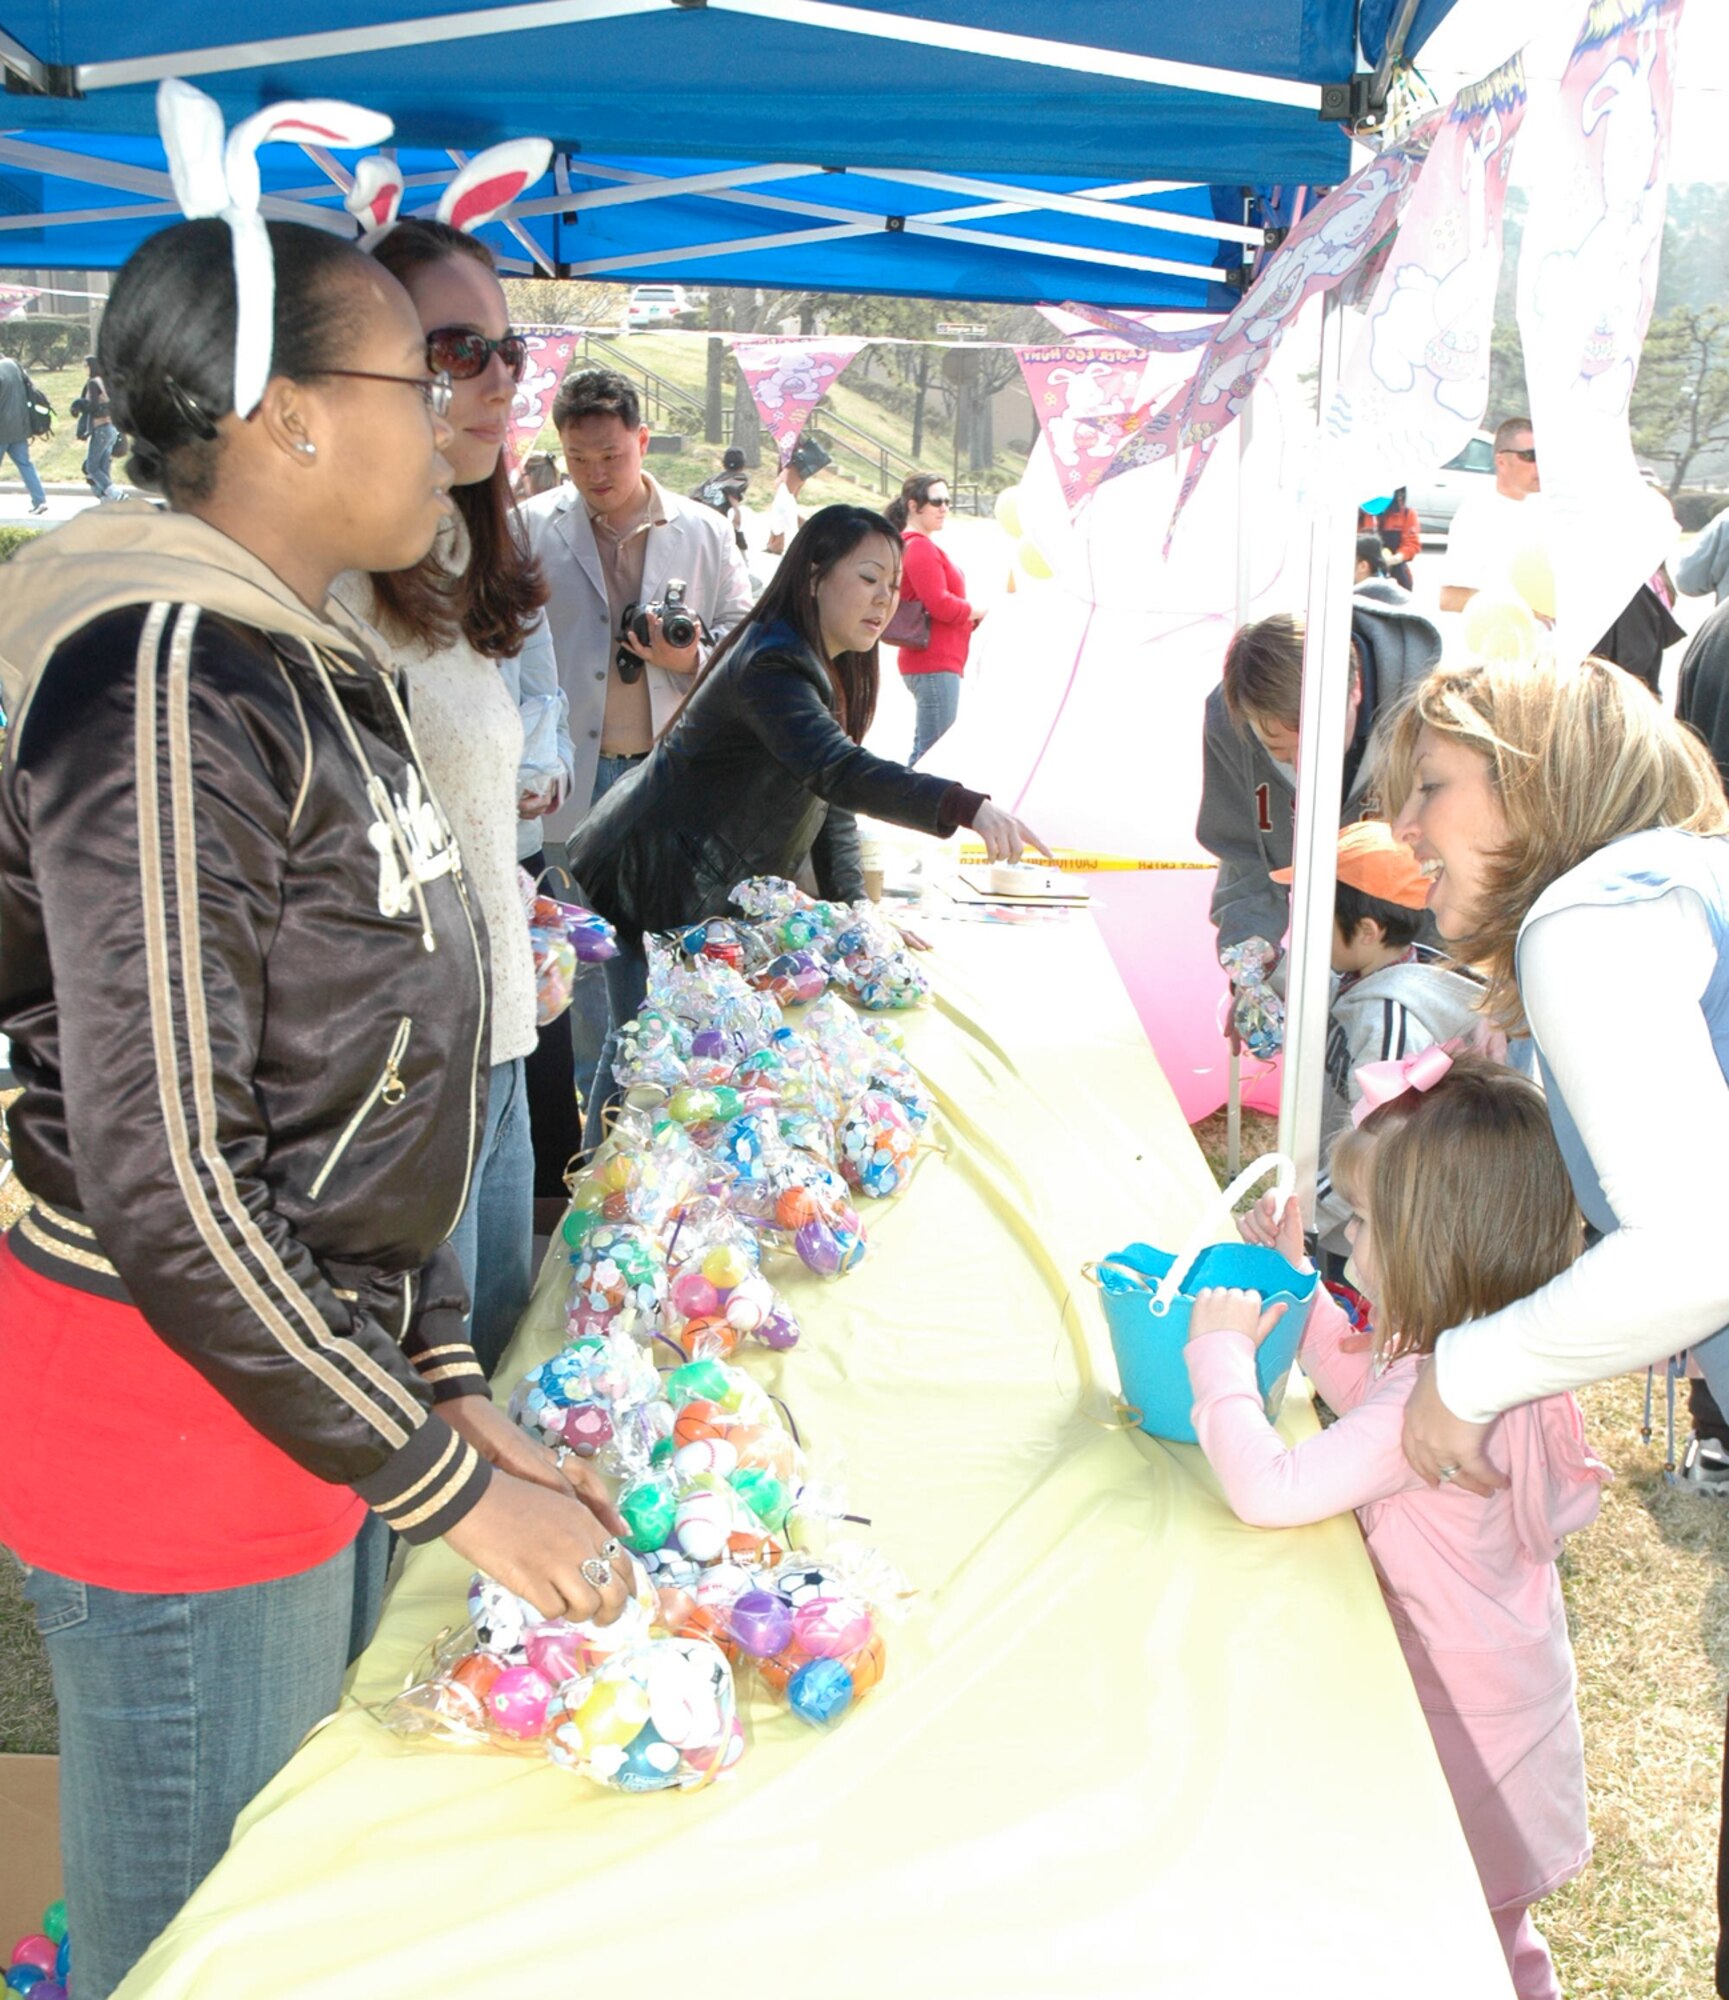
pixel 14 299
pixel 1416 382
pixel 1137 328
pixel 549 352
pixel 1087 401
pixel 1587 282
pixel 1330 245
pixel 788 378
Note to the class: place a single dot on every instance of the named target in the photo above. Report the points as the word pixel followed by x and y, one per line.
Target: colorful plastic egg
pixel 558 1651
pixel 761 1623
pixel 724 1267
pixel 779 1331
pixel 828 1628
pixel 651 1764
pixel 762 1493
pixel 749 1304
pixel 714 1455
pixel 36 1950
pixel 516 1702
pixel 820 1693
pixel 695 1295
pixel 22 1979
pixel 867 1666
pixel 703 1523
pixel 612 1713
pixel 697 1381
pixel 54 1921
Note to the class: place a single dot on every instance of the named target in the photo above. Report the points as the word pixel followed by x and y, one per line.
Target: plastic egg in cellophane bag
pixel 659 1716
pixel 619 1274
pixel 877 1143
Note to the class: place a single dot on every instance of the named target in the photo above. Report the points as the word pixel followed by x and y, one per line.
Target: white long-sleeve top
pixel 1613 996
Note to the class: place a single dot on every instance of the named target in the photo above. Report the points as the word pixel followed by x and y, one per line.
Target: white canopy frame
pixel 906 30
pixel 735 185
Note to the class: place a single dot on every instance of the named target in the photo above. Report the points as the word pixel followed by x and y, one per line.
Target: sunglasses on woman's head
pixel 462 354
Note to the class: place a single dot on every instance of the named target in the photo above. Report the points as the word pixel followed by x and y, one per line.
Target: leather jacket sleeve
pixel 836 857
pixel 157 835
pixel 785 710
pixel 435 1341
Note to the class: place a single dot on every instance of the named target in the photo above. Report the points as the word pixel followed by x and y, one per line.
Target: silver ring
pixel 613 1550
pixel 1446 1472
pixel 560 1452
pixel 597 1572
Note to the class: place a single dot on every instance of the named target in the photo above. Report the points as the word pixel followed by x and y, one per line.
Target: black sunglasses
pixel 462 354
pixel 945 501
pixel 1528 454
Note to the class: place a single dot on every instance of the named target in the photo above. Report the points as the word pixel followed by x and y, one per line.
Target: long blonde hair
pixel 1467 1197
pixel 1579 756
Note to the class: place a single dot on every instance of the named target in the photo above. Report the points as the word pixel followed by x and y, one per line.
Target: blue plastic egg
pixel 820 1692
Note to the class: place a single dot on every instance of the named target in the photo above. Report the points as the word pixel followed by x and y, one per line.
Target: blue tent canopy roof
pixel 649 88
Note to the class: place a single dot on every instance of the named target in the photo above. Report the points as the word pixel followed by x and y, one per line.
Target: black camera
pixel 677 625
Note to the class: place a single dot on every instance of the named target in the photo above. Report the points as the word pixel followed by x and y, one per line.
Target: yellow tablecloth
pixel 1126 1746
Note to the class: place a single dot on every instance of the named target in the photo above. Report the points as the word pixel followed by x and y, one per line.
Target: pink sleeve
pixel 926 574
pixel 1343 1379
pixel 1267 1482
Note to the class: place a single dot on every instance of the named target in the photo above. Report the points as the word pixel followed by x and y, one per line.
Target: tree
pixel 1681 399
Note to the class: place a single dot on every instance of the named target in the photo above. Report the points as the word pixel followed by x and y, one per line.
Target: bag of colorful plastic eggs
pixel 718 938
pixel 660 1717
pixel 652 1049
pixel 718 1299
pixel 814 1647
pixel 877 1144
pixel 601 1395
pixel 617 1277
pixel 793 978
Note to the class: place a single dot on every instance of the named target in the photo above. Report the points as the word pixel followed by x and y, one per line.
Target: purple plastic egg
pixel 762 1623
pixel 818 1246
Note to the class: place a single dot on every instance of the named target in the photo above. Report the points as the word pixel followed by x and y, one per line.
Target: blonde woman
pixel 1576 838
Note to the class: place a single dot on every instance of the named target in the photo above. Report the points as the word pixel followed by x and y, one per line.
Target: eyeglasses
pixel 435 390
pixel 945 501
pixel 462 354
pixel 1529 454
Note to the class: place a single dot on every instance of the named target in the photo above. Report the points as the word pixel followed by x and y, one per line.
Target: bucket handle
pixel 1201 1236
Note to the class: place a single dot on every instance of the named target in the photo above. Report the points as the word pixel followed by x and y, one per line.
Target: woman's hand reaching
pixel 1005 837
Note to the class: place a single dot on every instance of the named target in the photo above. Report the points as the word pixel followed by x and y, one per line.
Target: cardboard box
pixel 29 1845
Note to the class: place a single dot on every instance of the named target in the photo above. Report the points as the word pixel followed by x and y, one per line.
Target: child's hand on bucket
pixel 1219 1308
pixel 1269 1228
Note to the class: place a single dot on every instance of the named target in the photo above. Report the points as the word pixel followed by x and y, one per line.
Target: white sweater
pixel 1613 997
pixel 470 738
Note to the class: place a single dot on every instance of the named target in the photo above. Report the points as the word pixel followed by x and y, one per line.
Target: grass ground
pixel 1647 1590
pixel 59 456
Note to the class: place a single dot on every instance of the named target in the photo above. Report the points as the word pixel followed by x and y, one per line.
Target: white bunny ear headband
pixel 480 193
pixel 217 177
pixel 214 176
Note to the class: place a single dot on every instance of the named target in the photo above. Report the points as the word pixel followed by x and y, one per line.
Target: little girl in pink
pixel 1461 1205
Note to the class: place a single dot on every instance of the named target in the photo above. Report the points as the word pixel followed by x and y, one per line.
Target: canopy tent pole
pixel 903 29
pixel 1320 781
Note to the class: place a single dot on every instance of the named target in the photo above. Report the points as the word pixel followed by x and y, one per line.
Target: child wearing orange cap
pixel 1394 996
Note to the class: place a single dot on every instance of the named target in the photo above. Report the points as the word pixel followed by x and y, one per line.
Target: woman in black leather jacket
pixel 763 766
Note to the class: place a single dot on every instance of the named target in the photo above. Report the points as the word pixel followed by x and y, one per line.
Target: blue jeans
pixel 588 1003
pixel 99 457
pixel 494 1241
pixel 26 471
pixel 936 701
pixel 175 1712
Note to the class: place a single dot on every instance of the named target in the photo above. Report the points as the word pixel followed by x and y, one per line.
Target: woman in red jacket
pixel 931 583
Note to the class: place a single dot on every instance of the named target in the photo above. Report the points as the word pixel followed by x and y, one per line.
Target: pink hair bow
pixel 1380 1082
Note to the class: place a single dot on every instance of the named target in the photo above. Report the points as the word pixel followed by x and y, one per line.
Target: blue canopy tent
pixel 944 147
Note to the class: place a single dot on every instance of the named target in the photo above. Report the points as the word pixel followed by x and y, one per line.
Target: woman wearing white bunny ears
pixel 246 993
pixel 471 605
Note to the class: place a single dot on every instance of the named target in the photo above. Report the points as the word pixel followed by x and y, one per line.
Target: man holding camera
pixel 611 544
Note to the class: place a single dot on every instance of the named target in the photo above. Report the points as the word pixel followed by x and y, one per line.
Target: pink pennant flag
pixel 788 378
pixel 1137 328
pixel 549 352
pixel 1587 283
pixel 14 298
pixel 1415 384
pixel 1087 401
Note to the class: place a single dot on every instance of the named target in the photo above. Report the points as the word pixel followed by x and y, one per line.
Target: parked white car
pixel 1436 496
pixel 655 305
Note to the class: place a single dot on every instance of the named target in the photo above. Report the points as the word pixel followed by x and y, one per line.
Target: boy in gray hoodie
pixel 1394 997
pixel 1249 780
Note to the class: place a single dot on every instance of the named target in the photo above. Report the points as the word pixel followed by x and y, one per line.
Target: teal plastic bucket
pixel 1149 1344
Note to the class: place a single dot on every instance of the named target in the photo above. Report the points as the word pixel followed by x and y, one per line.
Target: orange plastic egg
pixel 778 1669
pixel 709 1339
pixel 699 1419
pixel 796 1207
pixel 867 1665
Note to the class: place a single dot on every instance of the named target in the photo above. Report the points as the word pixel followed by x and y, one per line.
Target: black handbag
pixel 41 411
pixel 910 627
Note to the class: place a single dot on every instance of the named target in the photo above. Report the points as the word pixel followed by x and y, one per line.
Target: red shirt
pixel 121 1466
pixel 932 580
